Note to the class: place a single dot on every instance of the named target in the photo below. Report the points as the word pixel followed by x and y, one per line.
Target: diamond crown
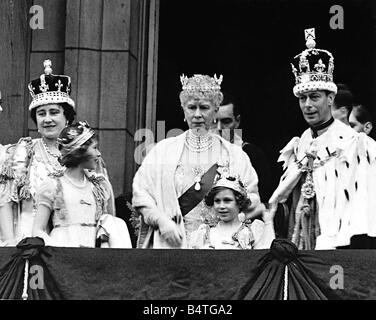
pixel 201 83
pixel 313 64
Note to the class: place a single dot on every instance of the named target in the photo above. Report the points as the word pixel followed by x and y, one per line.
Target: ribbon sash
pixel 191 198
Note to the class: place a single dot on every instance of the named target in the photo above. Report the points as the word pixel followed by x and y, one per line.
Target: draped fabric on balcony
pixel 94 273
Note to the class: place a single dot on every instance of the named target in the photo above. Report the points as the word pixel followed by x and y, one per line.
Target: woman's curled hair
pixel 79 154
pixel 68 111
pixel 242 201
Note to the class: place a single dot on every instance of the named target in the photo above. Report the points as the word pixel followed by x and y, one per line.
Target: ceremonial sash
pixel 191 198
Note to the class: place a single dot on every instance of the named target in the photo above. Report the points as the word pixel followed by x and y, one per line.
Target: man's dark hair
pixel 344 98
pixel 361 114
pixel 229 99
pixel 69 113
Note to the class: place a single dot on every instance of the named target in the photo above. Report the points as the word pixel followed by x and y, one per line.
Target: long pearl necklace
pixel 52 160
pixel 198 143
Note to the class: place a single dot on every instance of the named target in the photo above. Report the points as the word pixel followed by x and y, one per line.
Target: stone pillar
pixel 14 51
pixel 102 56
pixel 47 43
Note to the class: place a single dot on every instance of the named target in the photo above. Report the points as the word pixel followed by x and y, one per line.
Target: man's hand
pixel 269 212
pixel 254 211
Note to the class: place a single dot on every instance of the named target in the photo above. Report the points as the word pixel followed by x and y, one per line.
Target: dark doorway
pixel 251 42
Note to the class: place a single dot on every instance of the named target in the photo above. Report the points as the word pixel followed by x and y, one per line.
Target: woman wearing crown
pixel 31 161
pixel 170 185
pixel 76 201
pixel 228 198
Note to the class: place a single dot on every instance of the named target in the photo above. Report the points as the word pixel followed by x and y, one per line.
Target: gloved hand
pixel 170 231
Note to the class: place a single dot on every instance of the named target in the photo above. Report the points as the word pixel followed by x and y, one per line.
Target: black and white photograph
pixel 187 154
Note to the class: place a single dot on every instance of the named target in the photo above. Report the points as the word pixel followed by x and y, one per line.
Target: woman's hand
pixel 198 237
pixel 170 232
pixel 244 238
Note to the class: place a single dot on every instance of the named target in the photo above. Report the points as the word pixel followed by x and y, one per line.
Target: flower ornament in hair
pixel 231 182
pixel 76 137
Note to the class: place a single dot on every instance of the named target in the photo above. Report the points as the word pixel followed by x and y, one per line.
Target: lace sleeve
pixel 8 187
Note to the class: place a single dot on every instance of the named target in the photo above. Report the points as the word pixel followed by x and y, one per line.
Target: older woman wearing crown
pixel 170 186
pixel 31 161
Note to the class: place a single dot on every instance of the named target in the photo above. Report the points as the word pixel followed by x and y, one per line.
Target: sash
pixel 191 198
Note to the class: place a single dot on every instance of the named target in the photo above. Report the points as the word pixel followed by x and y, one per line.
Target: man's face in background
pixel 226 118
pixel 358 126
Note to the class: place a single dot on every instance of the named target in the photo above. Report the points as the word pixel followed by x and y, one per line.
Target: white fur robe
pixel 345 184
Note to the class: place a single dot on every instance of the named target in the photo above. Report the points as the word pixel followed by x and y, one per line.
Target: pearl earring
pixel 185 120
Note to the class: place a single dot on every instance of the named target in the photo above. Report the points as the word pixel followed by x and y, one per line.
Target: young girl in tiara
pixel 76 201
pixel 227 198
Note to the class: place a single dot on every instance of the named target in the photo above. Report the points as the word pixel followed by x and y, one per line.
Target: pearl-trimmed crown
pixel 50 88
pixel 313 68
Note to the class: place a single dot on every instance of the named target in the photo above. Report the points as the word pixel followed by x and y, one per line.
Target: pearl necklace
pixel 75 183
pixel 49 151
pixel 198 143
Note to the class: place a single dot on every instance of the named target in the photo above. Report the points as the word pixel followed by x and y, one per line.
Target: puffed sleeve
pixel 109 196
pixel 106 191
pixel 46 193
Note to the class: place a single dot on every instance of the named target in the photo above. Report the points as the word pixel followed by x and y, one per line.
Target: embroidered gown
pixel 255 235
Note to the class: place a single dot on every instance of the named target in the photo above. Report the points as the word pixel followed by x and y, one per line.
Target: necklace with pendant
pixel 198 172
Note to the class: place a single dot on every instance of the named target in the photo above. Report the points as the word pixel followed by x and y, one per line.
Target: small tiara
pixel 86 134
pixel 231 182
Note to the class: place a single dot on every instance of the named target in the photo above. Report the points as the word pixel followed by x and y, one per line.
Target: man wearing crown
pixel 330 169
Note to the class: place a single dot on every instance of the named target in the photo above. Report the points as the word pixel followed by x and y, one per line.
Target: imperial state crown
pixel 313 68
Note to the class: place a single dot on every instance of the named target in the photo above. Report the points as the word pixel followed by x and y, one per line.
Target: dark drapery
pixel 268 278
pixel 83 273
